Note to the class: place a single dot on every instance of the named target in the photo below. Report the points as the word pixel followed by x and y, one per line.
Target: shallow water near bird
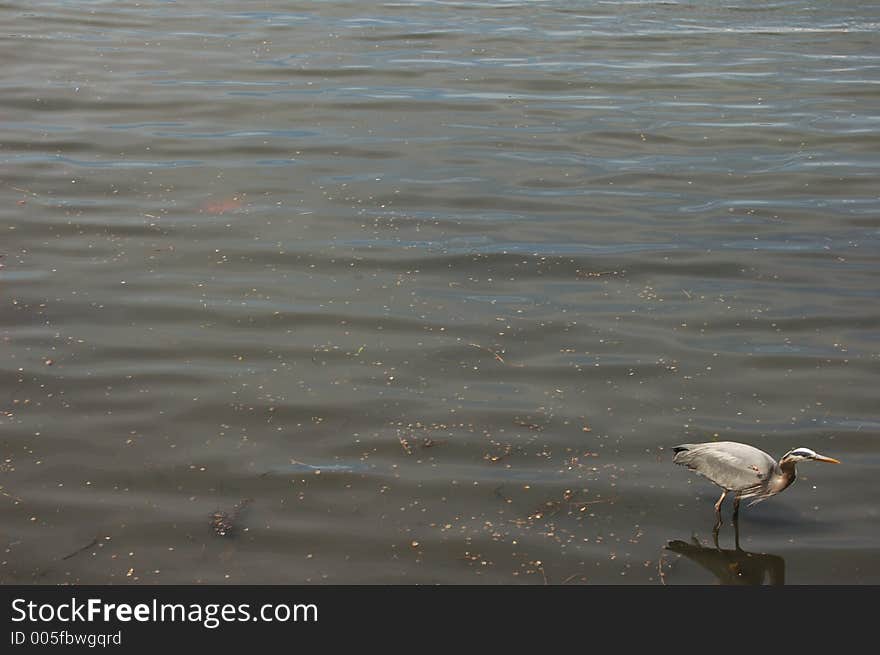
pixel 425 292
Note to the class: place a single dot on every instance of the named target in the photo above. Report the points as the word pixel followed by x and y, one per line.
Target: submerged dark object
pixel 225 524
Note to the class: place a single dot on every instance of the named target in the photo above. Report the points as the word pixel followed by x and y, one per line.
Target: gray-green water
pixel 436 285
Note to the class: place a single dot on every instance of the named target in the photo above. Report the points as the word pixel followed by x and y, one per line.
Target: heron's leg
pixel 720 500
pixel 718 514
pixel 736 507
pixel 736 532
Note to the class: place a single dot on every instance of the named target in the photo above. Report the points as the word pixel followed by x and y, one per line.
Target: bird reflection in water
pixel 732 567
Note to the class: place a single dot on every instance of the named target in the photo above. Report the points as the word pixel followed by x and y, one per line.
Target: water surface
pixel 424 292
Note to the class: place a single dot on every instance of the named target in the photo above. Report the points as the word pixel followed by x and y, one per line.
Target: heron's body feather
pixel 733 466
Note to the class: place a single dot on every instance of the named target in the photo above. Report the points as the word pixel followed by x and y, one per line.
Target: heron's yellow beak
pixel 830 460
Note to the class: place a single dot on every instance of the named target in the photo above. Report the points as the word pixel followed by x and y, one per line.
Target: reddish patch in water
pixel 222 206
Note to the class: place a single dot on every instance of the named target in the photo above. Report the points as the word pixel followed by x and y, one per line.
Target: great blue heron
pixel 743 469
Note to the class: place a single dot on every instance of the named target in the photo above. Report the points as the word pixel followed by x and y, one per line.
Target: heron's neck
pixel 784 475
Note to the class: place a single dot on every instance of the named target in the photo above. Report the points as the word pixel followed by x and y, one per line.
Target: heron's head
pixel 803 454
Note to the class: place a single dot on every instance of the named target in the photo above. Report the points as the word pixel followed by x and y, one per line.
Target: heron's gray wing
pixel 730 465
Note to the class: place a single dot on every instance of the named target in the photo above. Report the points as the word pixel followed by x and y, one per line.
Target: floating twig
pixel 525 424
pixel 583 504
pixel 93 542
pixel 588 274
pixel 489 350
